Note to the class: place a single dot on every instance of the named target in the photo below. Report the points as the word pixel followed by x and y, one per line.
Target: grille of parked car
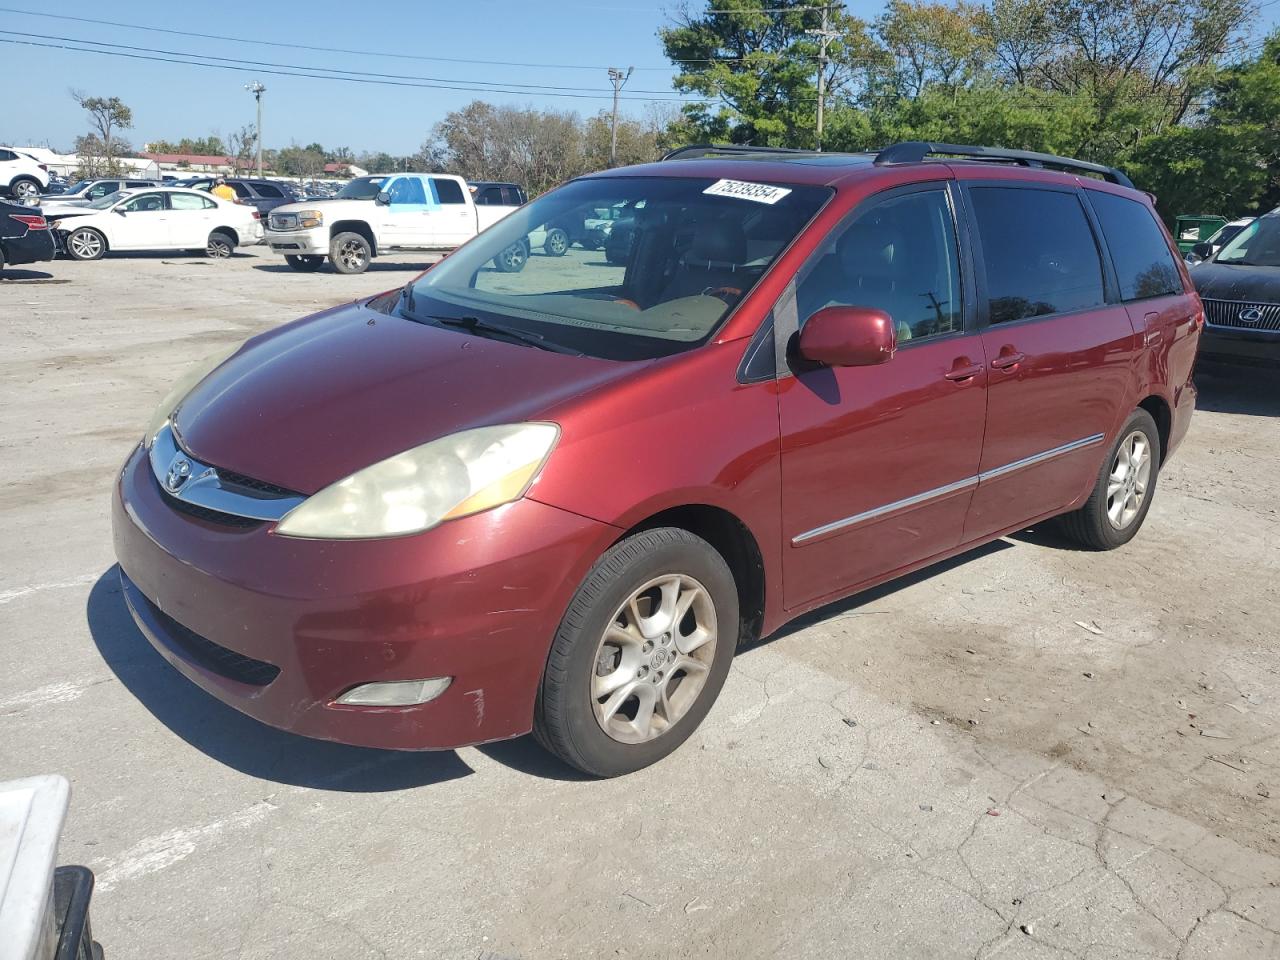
pixel 283 221
pixel 213 657
pixel 210 516
pixel 240 480
pixel 1233 313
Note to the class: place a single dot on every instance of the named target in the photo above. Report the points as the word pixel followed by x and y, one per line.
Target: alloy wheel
pixel 219 248
pixel 653 659
pixel 25 189
pixel 85 245
pixel 1129 479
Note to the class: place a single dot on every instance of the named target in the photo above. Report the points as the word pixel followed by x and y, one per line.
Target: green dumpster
pixel 1191 228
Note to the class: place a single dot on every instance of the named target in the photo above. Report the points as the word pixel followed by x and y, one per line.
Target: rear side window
pixel 268 190
pixel 1039 250
pixel 512 196
pixel 189 201
pixel 447 191
pixel 8 155
pixel 489 197
pixel 1138 248
pixel 241 190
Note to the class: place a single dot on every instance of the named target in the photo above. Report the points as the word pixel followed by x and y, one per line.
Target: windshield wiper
pixel 479 327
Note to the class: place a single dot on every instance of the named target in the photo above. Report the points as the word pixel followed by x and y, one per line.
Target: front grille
pixel 211 656
pixel 1226 313
pixel 211 516
pixel 283 221
pixel 249 483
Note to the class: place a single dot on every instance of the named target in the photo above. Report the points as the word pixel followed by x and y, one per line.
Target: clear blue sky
pixel 173 100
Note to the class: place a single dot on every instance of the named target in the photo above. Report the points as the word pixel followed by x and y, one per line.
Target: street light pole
pixel 618 79
pixel 257 89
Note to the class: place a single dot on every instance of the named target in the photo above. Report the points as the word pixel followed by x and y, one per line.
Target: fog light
pixel 396 693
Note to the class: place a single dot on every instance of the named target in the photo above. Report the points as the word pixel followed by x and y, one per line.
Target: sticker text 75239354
pixel 743 190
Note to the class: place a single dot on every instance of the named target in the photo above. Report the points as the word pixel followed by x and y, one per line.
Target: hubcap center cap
pixel 659 659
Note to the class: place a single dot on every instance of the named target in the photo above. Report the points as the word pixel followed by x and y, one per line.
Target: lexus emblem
pixel 179 470
pixel 1252 315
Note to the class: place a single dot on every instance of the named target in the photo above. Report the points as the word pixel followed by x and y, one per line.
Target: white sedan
pixel 157 218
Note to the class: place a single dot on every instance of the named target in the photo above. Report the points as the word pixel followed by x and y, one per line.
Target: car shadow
pixel 27 276
pixel 238 741
pixel 848 605
pixel 372 268
pixel 1254 391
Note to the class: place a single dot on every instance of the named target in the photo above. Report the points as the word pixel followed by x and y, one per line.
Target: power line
pixel 534 87
pixel 318 49
pixel 314 73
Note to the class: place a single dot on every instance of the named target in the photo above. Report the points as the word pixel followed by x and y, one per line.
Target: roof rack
pixel 696 150
pixel 914 151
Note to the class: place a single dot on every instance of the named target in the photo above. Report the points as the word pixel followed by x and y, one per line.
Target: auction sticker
pixel 742 190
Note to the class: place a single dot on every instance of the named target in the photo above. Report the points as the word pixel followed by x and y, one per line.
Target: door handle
pixel 1151 333
pixel 962 370
pixel 1008 359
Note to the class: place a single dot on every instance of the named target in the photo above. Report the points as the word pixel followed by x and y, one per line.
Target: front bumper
pixel 311 243
pixel 1240 345
pixel 278 628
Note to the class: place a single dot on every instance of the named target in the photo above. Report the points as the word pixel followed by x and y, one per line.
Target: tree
pixel 211 145
pixel 757 65
pixel 305 162
pixel 933 43
pixel 101 148
pixel 241 146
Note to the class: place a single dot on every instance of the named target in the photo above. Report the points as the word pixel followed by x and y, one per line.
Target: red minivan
pixel 558 500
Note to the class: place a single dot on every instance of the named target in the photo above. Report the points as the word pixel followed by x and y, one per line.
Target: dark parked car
pixel 265 195
pixel 87 191
pixel 1240 286
pixel 490 502
pixel 25 236
pixel 494 193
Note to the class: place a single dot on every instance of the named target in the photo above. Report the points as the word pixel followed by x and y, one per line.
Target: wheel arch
pixel 1162 414
pixel 735 542
pixel 355 226
pixel 229 231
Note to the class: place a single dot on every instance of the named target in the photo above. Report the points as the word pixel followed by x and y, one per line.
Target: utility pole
pixel 619 80
pixel 257 89
pixel 825 35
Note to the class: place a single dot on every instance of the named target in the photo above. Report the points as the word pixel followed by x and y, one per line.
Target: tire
pixel 220 246
pixel 350 253
pixel 85 243
pixel 23 188
pixel 1122 494
pixel 512 259
pixel 557 243
pixel 308 263
pixel 574 695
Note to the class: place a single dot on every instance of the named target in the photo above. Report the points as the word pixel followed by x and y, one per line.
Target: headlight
pixel 310 218
pixel 413 491
pixel 184 385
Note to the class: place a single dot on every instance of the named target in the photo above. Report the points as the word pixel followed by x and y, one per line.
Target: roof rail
pixel 914 151
pixel 695 150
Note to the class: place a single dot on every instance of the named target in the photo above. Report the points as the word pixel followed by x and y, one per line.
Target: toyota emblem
pixel 1251 315
pixel 179 470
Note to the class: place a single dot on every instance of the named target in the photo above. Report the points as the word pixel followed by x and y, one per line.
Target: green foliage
pixel 210 146
pixel 100 149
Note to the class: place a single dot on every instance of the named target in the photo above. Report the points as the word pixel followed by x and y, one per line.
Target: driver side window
pixel 897 255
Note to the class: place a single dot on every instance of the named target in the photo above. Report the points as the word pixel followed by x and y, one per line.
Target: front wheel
pixel 25 188
pixel 641 653
pixel 1121 496
pixel 557 242
pixel 86 244
pixel 512 259
pixel 350 253
pixel 308 263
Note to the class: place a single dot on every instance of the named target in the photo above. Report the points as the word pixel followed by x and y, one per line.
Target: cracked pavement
pixel 1031 752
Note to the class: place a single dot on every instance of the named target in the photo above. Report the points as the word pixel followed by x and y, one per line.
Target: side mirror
pixel 1203 250
pixel 848 337
pixel 383 198
pixel 121 210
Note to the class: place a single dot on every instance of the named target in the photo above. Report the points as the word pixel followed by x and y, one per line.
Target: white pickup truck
pixel 371 216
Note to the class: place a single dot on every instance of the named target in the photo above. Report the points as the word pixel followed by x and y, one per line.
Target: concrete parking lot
pixel 1031 752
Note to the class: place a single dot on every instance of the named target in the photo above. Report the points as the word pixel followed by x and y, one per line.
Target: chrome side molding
pixel 946 490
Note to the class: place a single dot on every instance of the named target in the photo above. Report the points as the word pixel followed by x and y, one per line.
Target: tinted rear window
pixel 447 191
pixel 1040 254
pixel 1138 248
pixel 268 190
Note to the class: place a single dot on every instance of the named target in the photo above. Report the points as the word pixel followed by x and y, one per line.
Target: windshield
pixel 110 200
pixel 1257 245
pixel 361 188
pixel 681 255
pixel 80 186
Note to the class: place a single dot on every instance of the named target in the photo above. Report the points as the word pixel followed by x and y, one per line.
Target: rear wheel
pixel 512 259
pixel 86 244
pixel 304 264
pixel 1121 497
pixel 350 253
pixel 641 653
pixel 220 246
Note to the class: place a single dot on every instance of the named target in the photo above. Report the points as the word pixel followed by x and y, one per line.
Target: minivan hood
pixel 316 400
pixel 1225 281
